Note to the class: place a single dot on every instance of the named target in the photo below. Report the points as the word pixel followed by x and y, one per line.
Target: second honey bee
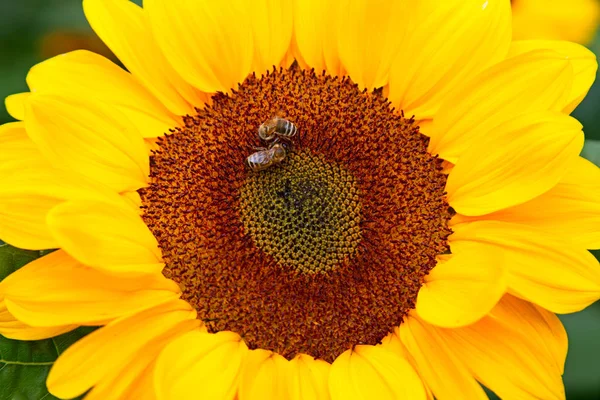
pixel 277 127
pixel 265 158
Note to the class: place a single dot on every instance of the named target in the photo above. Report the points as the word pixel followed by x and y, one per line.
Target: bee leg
pixel 271 134
pixel 257 148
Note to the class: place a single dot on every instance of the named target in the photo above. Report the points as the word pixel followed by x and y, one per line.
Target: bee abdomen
pixel 285 128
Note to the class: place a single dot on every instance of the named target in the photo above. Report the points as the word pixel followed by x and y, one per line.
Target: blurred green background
pixel 33 30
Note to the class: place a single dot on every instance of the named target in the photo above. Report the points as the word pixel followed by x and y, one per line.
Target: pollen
pixel 315 254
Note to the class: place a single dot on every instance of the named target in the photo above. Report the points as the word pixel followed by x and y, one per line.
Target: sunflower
pixel 414 218
pixel 574 20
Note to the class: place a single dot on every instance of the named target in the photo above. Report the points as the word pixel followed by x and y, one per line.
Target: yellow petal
pixel 570 209
pixel 135 379
pixel 272 25
pixel 205 364
pixel 107 236
pixel 541 268
pixel 291 55
pixel 124 27
pixel 82 71
pixel 393 343
pixel 308 378
pixel 370 34
pixel 28 195
pixel 442 371
pixel 315 41
pixel 263 376
pixel 12 328
pixel 207 42
pixel 509 354
pixel 89 138
pixel 534 321
pixel 575 20
pixel 374 372
pixel 15 105
pixel 448 42
pixel 534 81
pixel 141 388
pixel 583 60
pixel 515 162
pixel 18 151
pixel 133 200
pixel 57 290
pixel 111 347
pixel 425 128
pixel 461 291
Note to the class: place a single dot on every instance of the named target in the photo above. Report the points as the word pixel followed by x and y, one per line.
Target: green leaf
pixel 11 259
pixel 582 379
pixel 24 365
pixel 591 151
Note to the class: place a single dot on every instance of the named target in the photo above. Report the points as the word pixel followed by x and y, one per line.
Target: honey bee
pixel 276 127
pixel 265 158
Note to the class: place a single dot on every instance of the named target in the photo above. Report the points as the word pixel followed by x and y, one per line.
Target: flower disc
pixel 318 253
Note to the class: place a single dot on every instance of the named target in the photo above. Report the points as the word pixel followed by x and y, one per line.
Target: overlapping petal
pixel 81 71
pixel 462 290
pixel 369 35
pixel 535 322
pixel 308 378
pixel 18 150
pixel 111 348
pixel 206 42
pixel 112 237
pixel 570 209
pixel 57 290
pixel 88 138
pixel 393 343
pixel 374 372
pixel 15 105
pixel 124 27
pixel 442 371
pixel 28 195
pixel 444 44
pixel 136 379
pixel 575 20
pixel 12 328
pixel 315 37
pixel 272 27
pixel 205 364
pixel 133 382
pixel 517 351
pixel 263 376
pixel 534 81
pixel 584 64
pixel 515 162
pixel 541 267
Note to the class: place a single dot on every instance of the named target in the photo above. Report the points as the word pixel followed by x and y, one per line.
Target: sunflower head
pixel 347 200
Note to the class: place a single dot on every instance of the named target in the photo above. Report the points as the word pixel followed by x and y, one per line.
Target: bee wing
pixel 260 157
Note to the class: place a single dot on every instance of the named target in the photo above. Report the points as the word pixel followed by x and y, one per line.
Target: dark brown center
pixel 317 253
